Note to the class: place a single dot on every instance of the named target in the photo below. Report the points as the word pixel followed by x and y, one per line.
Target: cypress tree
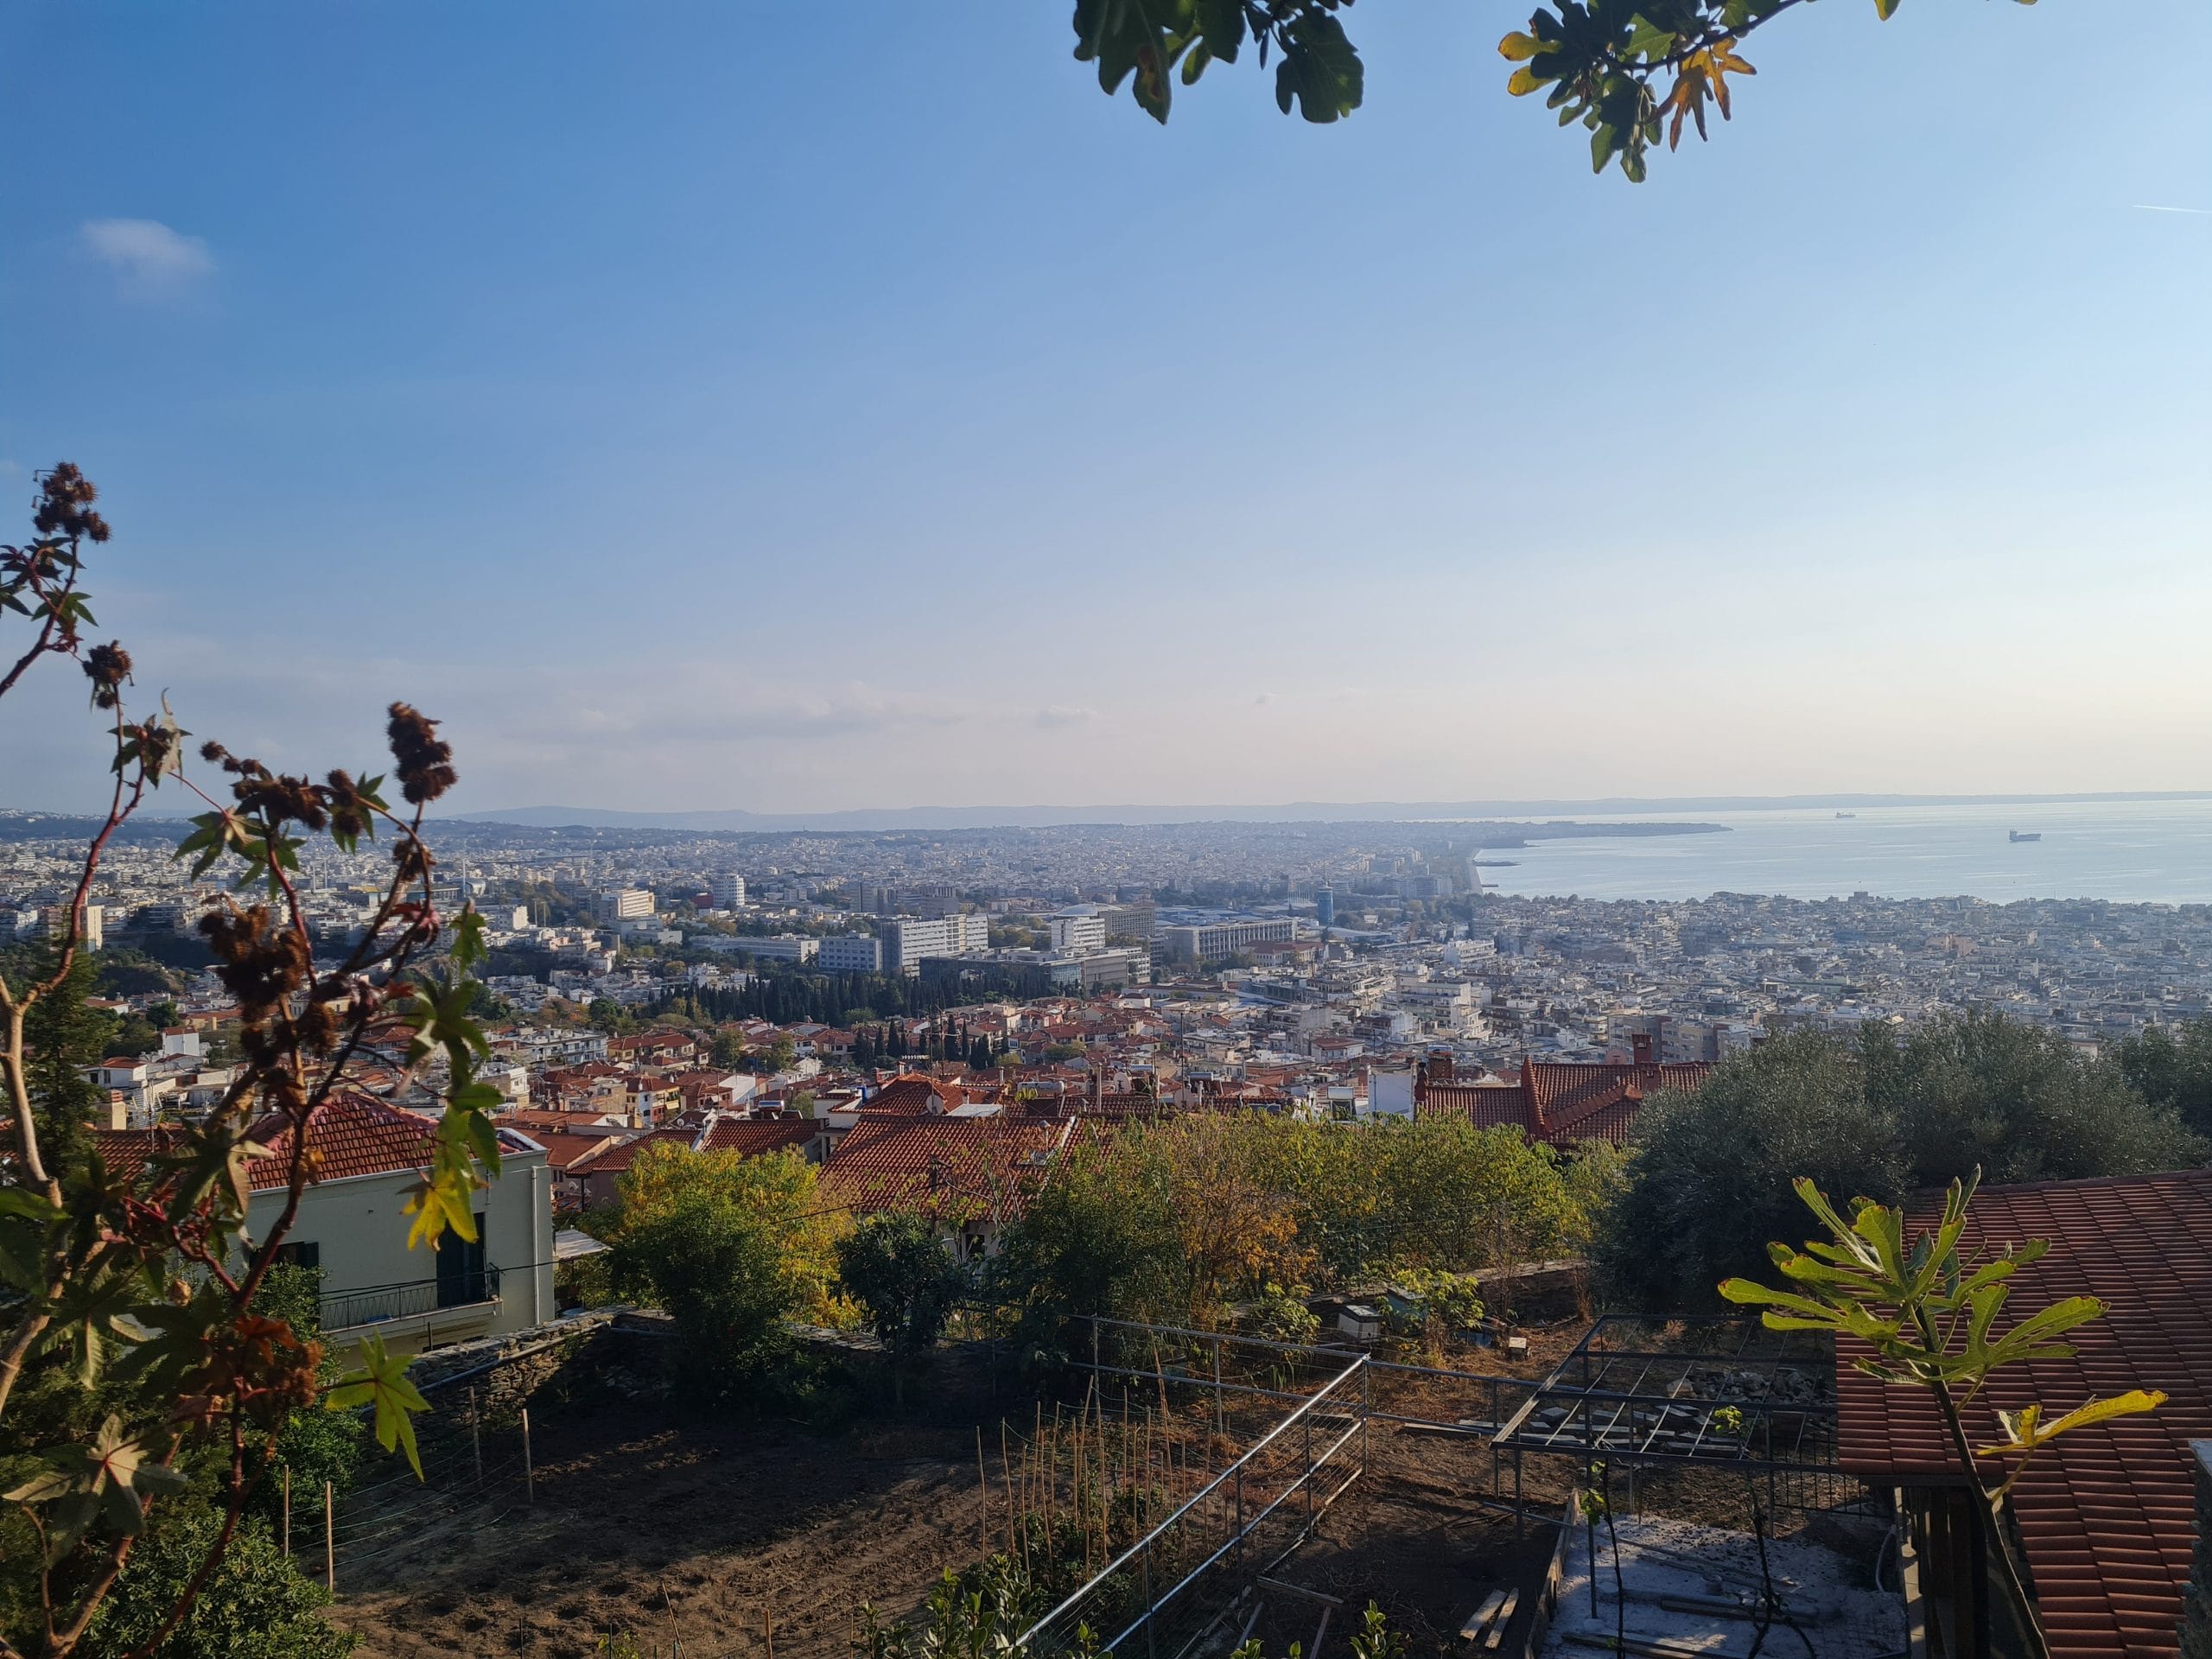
pixel 62 1037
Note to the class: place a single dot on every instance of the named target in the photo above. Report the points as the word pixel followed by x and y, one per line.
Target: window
pixel 300 1253
pixel 460 1269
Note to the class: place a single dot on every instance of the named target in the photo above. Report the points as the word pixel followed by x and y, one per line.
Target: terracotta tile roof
pixel 2104 1514
pixel 910 1094
pixel 562 1149
pixel 1112 1106
pixel 986 1166
pixel 752 1136
pixel 349 1135
pixel 616 1159
pixel 1561 1103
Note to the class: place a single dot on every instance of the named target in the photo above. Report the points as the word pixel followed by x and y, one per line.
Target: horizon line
pixel 1033 815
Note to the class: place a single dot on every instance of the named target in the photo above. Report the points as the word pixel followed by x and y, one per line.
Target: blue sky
pixel 792 407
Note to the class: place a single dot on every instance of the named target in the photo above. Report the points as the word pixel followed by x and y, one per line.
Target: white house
pixel 369 1157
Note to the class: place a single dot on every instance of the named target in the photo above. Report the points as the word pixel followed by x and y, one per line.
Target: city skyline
pixel 686 444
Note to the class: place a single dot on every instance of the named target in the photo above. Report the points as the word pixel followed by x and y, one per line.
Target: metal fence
pixel 1191 1574
pixel 1718 1393
pixel 376 1304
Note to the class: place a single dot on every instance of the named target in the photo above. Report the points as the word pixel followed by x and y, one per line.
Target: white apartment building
pixel 784 947
pixel 1078 931
pixel 727 891
pixel 625 904
pixel 851 953
pixel 907 940
pixel 1215 940
pixel 352 1224
pixel 54 921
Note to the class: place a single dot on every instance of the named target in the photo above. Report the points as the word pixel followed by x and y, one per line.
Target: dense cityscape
pixel 1292 961
pixel 1178 828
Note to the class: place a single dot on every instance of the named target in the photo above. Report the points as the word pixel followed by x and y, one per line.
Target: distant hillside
pixel 994 817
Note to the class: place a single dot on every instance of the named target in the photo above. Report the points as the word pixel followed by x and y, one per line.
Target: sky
pixel 795 408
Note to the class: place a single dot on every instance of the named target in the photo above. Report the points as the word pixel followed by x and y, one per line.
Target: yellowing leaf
pixel 441 1201
pixel 2026 1430
pixel 382 1382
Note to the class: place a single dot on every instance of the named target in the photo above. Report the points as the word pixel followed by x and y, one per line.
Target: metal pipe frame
pixel 1232 1476
pixel 1617 1438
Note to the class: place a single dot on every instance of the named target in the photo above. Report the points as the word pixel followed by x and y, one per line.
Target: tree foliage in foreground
pixel 1631 72
pixel 2172 1067
pixel 257 1605
pixel 143 1378
pixel 1710 1179
pixel 898 1267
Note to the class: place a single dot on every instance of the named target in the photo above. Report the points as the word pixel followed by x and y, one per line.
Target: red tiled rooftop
pixel 752 1136
pixel 988 1163
pixel 349 1135
pixel 2105 1513
pixel 1561 1103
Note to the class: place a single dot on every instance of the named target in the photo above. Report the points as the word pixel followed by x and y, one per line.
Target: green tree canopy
pixel 1184 1220
pixel 62 1036
pixel 1709 1178
pixel 257 1605
pixel 896 1266
pixel 2172 1067
pixel 734 1248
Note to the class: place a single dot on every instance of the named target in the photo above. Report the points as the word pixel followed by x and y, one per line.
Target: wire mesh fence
pixel 477 1471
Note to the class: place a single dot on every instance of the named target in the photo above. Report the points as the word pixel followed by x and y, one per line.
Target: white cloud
pixel 150 259
pixel 1058 715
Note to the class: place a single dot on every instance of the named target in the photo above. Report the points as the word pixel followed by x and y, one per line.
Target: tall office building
pixel 624 905
pixel 1324 906
pixel 727 891
pixel 1078 931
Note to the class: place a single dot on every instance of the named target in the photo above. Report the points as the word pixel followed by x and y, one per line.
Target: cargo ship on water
pixel 2026 835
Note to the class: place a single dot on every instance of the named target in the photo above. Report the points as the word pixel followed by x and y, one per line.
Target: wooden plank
pixel 1505 1617
pixel 1480 1619
pixel 1642 1647
pixel 1267 1583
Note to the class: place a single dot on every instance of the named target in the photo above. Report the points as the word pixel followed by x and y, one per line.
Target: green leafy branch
pixel 1631 71
pixel 1148 42
pixel 1924 1315
pixel 142 1279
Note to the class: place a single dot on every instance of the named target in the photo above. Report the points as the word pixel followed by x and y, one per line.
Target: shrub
pixel 259 1605
pixel 898 1268
pixel 734 1248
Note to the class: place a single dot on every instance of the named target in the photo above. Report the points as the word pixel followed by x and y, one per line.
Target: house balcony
pixel 418 1314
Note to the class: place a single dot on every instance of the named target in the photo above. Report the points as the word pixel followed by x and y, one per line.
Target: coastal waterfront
pixel 2135 852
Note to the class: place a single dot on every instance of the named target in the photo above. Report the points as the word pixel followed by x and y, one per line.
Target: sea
pixel 2136 852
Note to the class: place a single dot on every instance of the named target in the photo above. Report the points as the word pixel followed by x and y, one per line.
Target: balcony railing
pixel 415 1300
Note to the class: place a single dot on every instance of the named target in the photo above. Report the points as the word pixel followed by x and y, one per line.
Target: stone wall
pixel 504 1371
